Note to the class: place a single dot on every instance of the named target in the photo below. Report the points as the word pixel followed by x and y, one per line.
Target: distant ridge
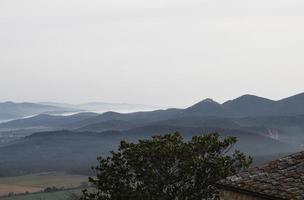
pixel 291 105
pixel 207 107
pixel 243 106
pixel 264 128
pixel 105 106
pixel 12 110
pixel 250 106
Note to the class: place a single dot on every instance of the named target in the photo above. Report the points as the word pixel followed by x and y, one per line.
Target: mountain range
pixel 250 106
pixel 265 128
pixel 101 107
pixel 12 110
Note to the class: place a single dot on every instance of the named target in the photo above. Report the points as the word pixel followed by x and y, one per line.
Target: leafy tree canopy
pixel 166 168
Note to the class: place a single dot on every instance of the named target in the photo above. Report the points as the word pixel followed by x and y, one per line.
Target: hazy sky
pixel 165 52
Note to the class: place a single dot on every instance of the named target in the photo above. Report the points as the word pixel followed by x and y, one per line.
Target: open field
pixel 60 195
pixel 38 182
pixel 5 189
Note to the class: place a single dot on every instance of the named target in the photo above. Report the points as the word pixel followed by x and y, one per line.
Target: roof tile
pixel 282 178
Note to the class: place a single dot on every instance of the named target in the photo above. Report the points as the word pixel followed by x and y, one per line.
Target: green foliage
pixel 166 168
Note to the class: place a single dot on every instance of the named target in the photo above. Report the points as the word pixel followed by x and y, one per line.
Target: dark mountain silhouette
pixel 264 128
pixel 254 106
pixel 207 107
pixel 250 105
pixel 244 106
pixel 199 121
pixel 135 118
pixel 293 105
pixel 108 125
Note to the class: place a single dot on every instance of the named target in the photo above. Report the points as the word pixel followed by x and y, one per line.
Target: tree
pixel 166 168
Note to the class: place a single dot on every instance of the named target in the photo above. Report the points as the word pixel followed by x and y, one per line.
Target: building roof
pixel 279 179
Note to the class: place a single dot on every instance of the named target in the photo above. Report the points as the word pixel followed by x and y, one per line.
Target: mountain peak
pixel 208 100
pixel 207 107
pixel 250 105
pixel 251 97
pixel 248 99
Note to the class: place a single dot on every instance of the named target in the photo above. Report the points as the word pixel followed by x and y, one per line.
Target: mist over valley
pixel 47 142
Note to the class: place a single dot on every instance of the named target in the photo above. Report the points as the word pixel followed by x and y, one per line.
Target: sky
pixel 159 52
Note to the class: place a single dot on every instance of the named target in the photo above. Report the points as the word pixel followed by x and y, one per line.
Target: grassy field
pixel 61 195
pixel 38 182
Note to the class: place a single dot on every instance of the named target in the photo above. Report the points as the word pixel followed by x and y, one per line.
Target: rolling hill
pixel 67 150
pixel 11 110
pixel 242 107
pixel 250 105
pixel 264 128
pixel 48 121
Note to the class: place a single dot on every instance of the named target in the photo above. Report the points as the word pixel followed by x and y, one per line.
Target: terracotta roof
pixel 280 179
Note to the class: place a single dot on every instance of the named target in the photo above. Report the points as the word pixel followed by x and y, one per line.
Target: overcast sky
pixel 165 52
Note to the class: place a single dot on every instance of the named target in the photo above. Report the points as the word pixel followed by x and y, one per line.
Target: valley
pixel 31 146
